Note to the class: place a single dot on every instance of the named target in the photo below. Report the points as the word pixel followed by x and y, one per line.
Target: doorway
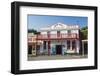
pixel 58 49
pixel 29 49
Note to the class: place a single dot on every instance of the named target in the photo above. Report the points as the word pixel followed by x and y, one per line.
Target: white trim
pixel 84 40
pixel 60 26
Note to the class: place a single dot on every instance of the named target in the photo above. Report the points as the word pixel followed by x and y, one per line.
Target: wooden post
pixel 83 48
pixel 36 47
pixel 70 44
pixel 48 47
pixel 75 46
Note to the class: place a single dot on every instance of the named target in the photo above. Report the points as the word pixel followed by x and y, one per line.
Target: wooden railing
pixel 57 36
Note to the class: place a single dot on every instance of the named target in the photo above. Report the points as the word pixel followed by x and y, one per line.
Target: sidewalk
pixel 55 57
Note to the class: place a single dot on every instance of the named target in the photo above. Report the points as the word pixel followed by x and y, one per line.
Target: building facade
pixel 58 39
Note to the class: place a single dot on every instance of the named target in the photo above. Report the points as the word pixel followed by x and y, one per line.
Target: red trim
pixel 55 36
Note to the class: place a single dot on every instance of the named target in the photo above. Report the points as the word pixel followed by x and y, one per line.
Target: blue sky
pixel 38 21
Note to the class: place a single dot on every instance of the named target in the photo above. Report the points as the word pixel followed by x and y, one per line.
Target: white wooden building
pixel 59 39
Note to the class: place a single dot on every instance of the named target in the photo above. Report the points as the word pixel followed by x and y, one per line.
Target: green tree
pixel 84 32
pixel 33 31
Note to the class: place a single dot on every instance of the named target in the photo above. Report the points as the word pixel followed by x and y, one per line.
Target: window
pixel 48 33
pixel 58 33
pixel 68 44
pixel 69 31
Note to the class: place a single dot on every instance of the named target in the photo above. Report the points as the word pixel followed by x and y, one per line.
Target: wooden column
pixel 75 45
pixel 83 48
pixel 36 45
pixel 49 47
pixel 70 44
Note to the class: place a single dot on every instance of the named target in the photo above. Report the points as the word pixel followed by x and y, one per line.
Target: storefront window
pixel 44 45
pixel 38 47
pixel 73 45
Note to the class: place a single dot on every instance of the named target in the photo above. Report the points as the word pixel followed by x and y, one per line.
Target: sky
pixel 38 21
